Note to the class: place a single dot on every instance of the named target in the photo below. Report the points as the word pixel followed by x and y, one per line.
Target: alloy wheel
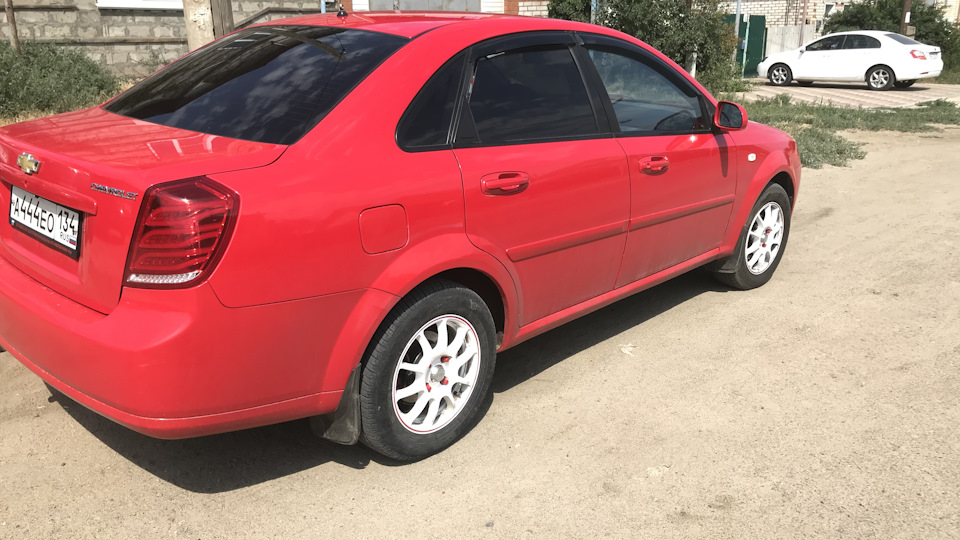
pixel 436 374
pixel 764 238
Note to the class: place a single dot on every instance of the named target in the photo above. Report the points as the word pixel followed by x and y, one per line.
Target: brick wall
pixel 533 8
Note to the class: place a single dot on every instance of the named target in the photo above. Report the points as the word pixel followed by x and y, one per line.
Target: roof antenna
pixel 341 12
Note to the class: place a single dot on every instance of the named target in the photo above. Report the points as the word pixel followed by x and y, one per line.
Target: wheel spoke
pixel 411 416
pixel 416 368
pixel 442 337
pixel 425 345
pixel 431 418
pixel 458 340
pixel 458 362
pixel 414 388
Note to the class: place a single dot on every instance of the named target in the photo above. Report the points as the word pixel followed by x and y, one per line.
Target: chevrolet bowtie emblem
pixel 28 163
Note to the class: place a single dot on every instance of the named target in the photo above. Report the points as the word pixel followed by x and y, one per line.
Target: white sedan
pixel 881 59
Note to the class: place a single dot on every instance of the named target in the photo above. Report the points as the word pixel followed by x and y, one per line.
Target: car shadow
pixel 231 461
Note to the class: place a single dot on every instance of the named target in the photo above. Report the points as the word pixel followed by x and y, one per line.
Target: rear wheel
pixel 427 372
pixel 780 75
pixel 762 242
pixel 904 84
pixel 880 78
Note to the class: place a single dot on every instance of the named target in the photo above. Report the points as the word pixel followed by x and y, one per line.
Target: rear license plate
pixel 53 224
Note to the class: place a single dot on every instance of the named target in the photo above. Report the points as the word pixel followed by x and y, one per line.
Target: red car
pixel 346 217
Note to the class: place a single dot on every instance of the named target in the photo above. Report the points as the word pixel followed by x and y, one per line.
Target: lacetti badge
pixel 28 163
pixel 114 191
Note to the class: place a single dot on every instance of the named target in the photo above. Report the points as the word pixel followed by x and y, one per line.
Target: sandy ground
pixel 824 405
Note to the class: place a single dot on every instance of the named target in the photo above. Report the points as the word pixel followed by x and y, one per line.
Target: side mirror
pixel 803 49
pixel 730 116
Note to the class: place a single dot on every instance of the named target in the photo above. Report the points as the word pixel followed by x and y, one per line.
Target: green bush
pixel 676 28
pixel 50 79
pixel 932 27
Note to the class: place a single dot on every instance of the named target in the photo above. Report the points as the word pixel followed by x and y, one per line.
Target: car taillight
pixel 919 55
pixel 181 232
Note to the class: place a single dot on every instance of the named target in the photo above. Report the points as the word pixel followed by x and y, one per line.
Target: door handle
pixel 654 164
pixel 504 183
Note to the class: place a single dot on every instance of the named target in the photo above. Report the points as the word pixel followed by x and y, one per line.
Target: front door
pixel 545 190
pixel 820 60
pixel 682 174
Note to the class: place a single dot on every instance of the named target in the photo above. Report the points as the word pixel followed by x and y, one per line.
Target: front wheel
pixel 762 242
pixel 780 75
pixel 427 372
pixel 904 84
pixel 880 78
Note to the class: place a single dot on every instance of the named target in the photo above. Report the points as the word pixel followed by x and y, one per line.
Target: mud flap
pixel 342 425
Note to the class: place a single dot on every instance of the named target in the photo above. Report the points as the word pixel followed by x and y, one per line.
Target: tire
pixel 805 83
pixel 408 354
pixel 904 84
pixel 880 78
pixel 780 75
pixel 751 269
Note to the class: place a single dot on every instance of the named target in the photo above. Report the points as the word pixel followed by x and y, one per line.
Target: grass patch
pixel 948 76
pixel 49 79
pixel 815 127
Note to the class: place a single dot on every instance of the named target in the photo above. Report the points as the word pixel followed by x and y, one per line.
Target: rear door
pixel 859 53
pixel 545 184
pixel 682 174
pixel 819 60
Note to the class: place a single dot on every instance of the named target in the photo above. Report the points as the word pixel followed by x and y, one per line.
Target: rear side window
pixel 643 98
pixel 426 123
pixel 856 41
pixel 902 39
pixel 267 84
pixel 531 93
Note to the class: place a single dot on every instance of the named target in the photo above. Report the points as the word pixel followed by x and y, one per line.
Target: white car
pixel 881 59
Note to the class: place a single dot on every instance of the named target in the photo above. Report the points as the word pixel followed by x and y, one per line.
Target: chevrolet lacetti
pixel 346 217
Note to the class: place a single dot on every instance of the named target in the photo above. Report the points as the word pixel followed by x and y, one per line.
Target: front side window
pixel 643 98
pixel 527 94
pixel 856 41
pixel 829 43
pixel 267 84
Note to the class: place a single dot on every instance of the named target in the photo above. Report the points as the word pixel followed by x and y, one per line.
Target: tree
pixel 677 28
pixel 932 27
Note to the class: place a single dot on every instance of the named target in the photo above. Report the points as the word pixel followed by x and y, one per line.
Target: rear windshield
pixel 903 39
pixel 268 84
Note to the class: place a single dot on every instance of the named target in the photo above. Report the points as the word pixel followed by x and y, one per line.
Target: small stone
pixel 489 524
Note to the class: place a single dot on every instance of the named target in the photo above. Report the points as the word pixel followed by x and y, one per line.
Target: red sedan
pixel 346 217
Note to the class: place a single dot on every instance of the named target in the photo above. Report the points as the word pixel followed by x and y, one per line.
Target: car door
pixel 546 188
pixel 859 53
pixel 682 173
pixel 818 60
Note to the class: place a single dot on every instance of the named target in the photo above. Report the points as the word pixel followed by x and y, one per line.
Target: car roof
pixel 406 23
pixel 874 33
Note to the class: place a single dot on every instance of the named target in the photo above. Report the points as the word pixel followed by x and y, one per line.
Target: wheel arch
pixel 866 74
pixel 463 263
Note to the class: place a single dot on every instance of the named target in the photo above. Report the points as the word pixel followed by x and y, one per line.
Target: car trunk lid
pixel 98 164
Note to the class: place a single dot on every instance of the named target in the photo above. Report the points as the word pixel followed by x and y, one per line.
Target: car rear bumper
pixel 923 70
pixel 175 364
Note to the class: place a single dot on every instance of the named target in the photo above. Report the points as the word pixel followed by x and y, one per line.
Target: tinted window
pixel 534 93
pixel 268 84
pixel 902 39
pixel 856 41
pixel 643 98
pixel 830 43
pixel 427 120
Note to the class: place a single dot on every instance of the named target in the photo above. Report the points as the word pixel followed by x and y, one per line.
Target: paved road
pixel 856 95
pixel 822 405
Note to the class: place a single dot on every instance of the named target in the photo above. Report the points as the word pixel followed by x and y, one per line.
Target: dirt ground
pixel 824 405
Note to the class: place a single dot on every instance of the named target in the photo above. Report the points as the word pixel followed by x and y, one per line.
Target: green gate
pixel 753 42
